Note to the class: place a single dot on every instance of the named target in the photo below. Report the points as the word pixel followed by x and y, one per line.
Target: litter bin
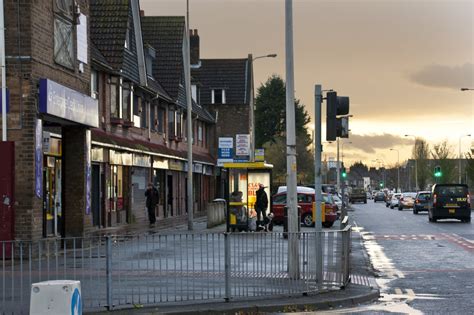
pixel 56 297
pixel 285 221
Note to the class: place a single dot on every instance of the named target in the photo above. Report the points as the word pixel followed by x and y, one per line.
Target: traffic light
pixel 343 172
pixel 381 184
pixel 336 106
pixel 437 171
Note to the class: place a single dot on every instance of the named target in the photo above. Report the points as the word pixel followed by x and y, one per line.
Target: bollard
pixel 56 297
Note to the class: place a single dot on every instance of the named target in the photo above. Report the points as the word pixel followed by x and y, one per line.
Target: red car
pixel 305 201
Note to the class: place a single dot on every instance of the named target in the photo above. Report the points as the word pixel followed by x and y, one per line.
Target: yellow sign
pixel 323 212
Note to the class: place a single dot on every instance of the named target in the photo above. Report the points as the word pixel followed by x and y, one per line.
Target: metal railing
pixel 159 268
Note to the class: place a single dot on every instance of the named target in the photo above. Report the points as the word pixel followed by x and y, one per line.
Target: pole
pixel 293 253
pixel 460 165
pixel 318 97
pixel 252 112
pixel 4 79
pixel 187 75
pixel 398 171
pixel 338 169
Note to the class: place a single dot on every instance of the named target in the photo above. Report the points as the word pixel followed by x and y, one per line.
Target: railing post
pixel 227 266
pixel 345 255
pixel 108 259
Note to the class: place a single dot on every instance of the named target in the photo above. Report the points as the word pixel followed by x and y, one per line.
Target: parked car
pixel 380 196
pixel 422 201
pixel 450 201
pixel 305 201
pixel 407 200
pixel 358 194
pixel 395 200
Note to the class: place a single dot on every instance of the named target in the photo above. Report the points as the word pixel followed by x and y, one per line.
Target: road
pixel 421 267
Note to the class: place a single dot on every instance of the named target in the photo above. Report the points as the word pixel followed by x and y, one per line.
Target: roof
pixel 229 74
pixel 197 109
pixel 166 34
pixel 108 29
pixel 98 57
pixel 158 88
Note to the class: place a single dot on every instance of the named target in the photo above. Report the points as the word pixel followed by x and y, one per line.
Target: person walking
pixel 152 199
pixel 261 205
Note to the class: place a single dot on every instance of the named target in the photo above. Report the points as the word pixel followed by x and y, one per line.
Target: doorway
pixel 52 201
pixel 170 197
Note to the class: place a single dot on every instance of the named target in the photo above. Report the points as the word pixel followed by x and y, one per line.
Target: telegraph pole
pixel 189 121
pixel 293 250
pixel 318 97
pixel 4 79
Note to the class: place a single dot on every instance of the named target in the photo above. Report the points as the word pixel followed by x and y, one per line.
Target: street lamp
pixel 342 149
pixel 460 164
pixel 252 106
pixel 416 163
pixel 398 168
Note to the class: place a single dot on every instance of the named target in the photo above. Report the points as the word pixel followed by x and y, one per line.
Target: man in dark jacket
pixel 152 199
pixel 261 205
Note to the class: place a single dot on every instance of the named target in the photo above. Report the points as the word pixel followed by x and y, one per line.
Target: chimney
pixel 142 13
pixel 194 46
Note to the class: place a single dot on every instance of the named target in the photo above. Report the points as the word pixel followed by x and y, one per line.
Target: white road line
pixel 398 291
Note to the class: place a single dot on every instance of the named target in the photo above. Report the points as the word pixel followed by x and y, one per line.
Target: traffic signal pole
pixel 338 169
pixel 318 98
pixel 293 222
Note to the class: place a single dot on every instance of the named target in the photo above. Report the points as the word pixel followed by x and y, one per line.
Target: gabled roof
pixel 166 34
pixel 110 20
pixel 233 75
pixel 99 58
pixel 156 87
pixel 202 113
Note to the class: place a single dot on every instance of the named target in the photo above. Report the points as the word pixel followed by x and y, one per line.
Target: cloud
pixel 445 76
pixel 371 143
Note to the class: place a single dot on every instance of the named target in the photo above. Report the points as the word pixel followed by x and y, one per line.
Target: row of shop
pixel 118 180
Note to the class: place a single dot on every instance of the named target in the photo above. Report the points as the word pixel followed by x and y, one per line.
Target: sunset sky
pixel 401 62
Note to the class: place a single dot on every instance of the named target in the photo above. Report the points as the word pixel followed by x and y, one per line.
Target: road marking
pixel 398 291
pixel 410 292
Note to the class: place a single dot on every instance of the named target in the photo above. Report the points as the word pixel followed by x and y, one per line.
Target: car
pixel 388 199
pixel 395 200
pixel 358 194
pixel 407 200
pixel 305 202
pixel 450 201
pixel 337 201
pixel 374 192
pixel 380 196
pixel 422 201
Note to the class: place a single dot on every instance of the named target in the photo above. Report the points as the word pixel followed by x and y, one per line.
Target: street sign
pixel 225 151
pixel 259 155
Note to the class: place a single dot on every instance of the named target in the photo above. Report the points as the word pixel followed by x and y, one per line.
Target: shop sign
pixel 8 101
pixel 88 172
pixel 160 163
pixel 197 168
pixel 115 157
pixel 141 160
pixel 39 158
pixel 259 155
pixel 242 145
pixel 176 165
pixel 97 155
pixel 60 101
pixel 127 159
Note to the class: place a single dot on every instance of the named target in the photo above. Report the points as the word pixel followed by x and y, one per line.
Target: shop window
pixel 115 187
pixel 115 100
pixel 171 124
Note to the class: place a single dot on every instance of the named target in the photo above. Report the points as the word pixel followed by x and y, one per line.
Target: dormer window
pixel 195 93
pixel 127 37
pixel 150 56
pixel 218 96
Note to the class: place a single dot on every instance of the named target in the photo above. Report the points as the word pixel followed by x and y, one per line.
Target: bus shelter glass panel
pixel 254 179
pixel 238 210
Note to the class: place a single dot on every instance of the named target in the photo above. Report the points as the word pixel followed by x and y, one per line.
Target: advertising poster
pixel 39 158
pixel 242 145
pixel 255 178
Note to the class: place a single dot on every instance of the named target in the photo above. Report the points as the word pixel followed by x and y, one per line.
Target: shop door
pixel 169 188
pixel 52 202
pixel 7 184
pixel 96 194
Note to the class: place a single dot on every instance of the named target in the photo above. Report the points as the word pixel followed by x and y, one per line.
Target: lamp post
pixel 416 163
pixel 460 162
pixel 398 168
pixel 252 106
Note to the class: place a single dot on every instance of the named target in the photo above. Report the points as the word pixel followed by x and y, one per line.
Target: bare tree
pixel 470 168
pixel 442 155
pixel 421 153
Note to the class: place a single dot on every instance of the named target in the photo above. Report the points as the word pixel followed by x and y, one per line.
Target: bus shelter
pixel 241 188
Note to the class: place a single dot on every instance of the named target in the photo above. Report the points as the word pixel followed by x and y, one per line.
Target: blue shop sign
pixel 8 101
pixel 60 101
pixel 225 153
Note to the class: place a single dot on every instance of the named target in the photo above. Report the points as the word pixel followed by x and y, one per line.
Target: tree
pixel 421 153
pixel 442 156
pixel 270 113
pixel 470 168
pixel 270 130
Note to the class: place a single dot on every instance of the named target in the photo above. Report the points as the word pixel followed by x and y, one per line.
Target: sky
pixel 401 62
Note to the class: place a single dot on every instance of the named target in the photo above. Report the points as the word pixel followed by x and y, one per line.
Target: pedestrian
pixel 152 199
pixel 261 205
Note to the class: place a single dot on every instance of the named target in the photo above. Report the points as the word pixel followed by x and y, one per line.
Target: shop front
pixel 140 178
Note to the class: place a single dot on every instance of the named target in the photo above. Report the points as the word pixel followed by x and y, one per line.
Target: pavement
pixel 362 289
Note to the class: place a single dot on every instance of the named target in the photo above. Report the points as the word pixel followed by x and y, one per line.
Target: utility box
pixel 56 297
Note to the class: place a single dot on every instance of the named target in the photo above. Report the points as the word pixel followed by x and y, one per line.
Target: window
pixel 126 101
pixel 194 93
pixel 171 124
pixel 64 7
pixel 200 133
pixel 94 84
pixel 153 121
pixel 127 36
pixel 179 124
pixel 144 111
pixel 115 100
pixel 218 96
pixel 63 42
pixel 161 120
pixel 279 199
